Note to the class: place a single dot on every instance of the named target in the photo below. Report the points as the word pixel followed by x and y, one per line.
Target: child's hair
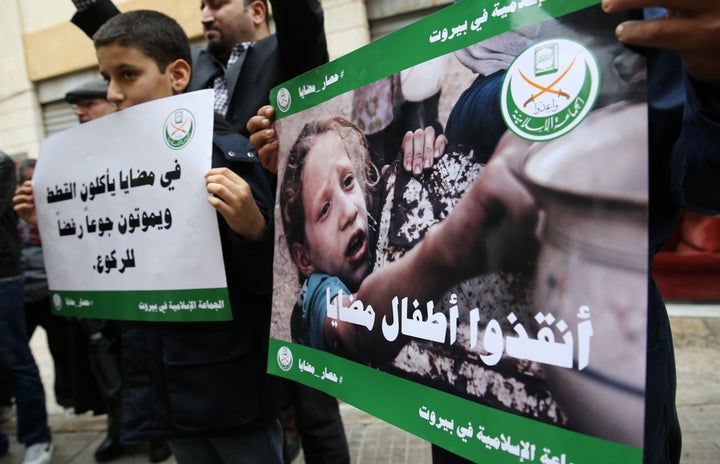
pixel 291 203
pixel 155 34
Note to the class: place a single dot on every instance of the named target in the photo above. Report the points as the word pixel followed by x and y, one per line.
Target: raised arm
pixel 91 14
pixel 300 34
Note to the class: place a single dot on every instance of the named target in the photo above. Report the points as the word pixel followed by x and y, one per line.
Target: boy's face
pixel 134 78
pixel 336 218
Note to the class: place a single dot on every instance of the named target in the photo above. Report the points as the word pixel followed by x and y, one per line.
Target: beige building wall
pixel 346 26
pixel 19 110
pixel 45 55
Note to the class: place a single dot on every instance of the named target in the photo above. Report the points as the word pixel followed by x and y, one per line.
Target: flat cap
pixel 91 89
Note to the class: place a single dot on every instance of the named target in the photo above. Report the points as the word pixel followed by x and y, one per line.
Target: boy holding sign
pixel 202 385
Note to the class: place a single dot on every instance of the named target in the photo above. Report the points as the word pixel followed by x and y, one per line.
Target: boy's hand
pixel 421 148
pixel 264 138
pixel 25 203
pixel 232 197
pixel 691 29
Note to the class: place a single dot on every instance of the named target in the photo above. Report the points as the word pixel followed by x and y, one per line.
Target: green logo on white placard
pixel 179 128
pixel 549 89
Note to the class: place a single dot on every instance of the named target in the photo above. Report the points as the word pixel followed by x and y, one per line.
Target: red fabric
pixel 688 268
pixel 699 233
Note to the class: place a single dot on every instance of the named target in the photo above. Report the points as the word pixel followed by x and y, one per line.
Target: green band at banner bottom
pixel 194 305
pixel 467 428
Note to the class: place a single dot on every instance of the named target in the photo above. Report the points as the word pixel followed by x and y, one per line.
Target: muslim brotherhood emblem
pixel 179 128
pixel 284 358
pixel 284 99
pixel 549 89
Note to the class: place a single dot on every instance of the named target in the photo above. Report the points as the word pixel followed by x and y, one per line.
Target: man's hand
pixel 692 29
pixel 232 197
pixel 24 203
pixel 421 148
pixel 264 138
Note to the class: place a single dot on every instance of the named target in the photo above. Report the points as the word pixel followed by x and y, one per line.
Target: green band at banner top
pixel 455 27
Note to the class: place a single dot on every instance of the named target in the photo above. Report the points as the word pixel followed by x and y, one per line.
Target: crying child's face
pixel 336 217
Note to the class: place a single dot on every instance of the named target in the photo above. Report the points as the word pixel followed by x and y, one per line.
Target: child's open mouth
pixel 357 246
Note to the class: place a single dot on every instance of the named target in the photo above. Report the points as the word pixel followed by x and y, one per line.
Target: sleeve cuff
pixel 83 5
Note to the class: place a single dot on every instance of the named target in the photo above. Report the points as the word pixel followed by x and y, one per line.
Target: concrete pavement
pixel 697 358
pixel 696 330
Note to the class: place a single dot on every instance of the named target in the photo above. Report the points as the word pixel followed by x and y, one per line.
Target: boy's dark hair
pixel 157 35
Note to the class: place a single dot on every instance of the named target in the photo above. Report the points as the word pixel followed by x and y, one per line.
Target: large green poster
pixel 462 232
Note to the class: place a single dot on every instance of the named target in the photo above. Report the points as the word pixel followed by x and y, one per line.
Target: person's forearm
pixel 83 5
pixel 456 249
pixel 419 275
pixel 300 31
pixel 92 14
pixel 422 274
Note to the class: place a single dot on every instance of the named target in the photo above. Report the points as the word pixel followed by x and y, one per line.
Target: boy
pixel 202 385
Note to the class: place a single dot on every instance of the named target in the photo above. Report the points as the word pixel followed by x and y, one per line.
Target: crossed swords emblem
pixel 179 128
pixel 549 88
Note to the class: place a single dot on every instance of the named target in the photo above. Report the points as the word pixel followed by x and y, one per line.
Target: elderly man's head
pixel 229 22
pixel 89 100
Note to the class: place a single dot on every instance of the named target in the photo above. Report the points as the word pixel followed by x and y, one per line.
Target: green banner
pixel 435 299
pixel 470 429
pixel 194 305
pixel 446 31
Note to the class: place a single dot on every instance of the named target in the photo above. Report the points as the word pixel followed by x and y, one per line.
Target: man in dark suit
pixel 240 51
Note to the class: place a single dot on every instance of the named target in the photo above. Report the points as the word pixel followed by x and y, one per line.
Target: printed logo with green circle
pixel 549 89
pixel 57 302
pixel 284 358
pixel 284 100
pixel 179 128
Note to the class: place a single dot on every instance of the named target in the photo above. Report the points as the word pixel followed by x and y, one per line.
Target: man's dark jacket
pixel 208 378
pixel 9 240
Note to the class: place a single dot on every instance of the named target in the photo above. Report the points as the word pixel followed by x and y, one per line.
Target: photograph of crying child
pixel 418 235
